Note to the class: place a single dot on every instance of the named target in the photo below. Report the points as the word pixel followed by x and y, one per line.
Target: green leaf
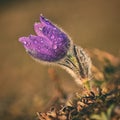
pixel 109 111
pixel 103 116
pixel 96 117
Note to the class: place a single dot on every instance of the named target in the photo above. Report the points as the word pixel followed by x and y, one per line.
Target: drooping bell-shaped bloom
pixel 50 44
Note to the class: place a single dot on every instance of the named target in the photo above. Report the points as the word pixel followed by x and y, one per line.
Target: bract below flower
pixel 50 44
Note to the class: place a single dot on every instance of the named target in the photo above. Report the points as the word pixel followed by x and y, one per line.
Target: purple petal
pixel 54 34
pixel 25 41
pixel 45 21
pixel 38 28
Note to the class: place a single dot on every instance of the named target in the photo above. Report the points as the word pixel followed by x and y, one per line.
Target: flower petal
pixel 25 41
pixel 38 28
pixel 45 21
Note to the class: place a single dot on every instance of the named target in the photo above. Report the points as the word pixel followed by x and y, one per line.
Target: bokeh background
pixel 25 86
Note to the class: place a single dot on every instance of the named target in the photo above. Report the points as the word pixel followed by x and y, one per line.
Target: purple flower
pixel 50 44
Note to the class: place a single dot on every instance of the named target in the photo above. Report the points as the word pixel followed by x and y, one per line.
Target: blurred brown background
pixel 25 86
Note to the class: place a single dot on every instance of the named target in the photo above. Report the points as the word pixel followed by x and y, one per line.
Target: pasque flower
pixel 50 44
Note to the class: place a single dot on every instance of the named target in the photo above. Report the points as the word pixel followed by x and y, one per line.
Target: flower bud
pixel 50 44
